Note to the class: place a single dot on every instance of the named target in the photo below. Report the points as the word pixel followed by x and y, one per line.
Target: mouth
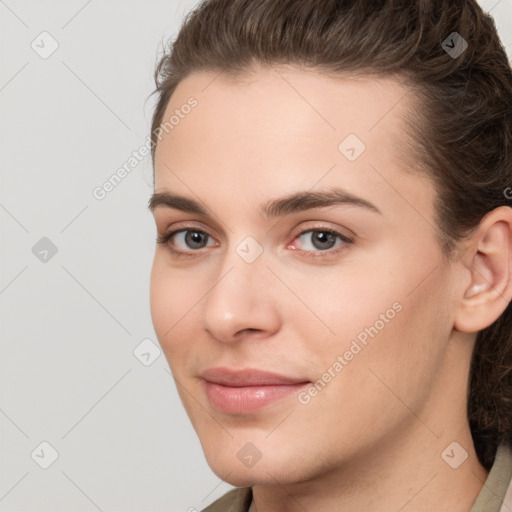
pixel 245 391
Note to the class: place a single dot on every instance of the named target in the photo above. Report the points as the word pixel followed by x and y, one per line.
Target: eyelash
pixel 166 237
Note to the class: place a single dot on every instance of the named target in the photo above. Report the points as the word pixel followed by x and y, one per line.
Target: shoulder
pixel 236 500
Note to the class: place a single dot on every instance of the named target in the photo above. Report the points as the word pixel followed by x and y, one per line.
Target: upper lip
pixel 247 377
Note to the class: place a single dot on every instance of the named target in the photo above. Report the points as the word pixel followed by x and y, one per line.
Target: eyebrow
pixel 279 207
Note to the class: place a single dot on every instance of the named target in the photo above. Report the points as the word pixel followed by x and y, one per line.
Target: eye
pixel 322 240
pixel 315 243
pixel 186 240
pixel 192 239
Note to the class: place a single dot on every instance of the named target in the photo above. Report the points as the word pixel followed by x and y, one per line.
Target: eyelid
pixel 322 226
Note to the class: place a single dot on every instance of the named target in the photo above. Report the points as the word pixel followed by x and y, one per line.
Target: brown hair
pixel 462 126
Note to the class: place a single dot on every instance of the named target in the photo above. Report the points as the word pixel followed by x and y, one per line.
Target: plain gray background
pixel 72 319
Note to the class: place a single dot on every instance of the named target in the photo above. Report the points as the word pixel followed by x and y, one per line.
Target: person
pixel 332 281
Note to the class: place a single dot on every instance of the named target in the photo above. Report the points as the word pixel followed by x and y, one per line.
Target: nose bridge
pixel 239 298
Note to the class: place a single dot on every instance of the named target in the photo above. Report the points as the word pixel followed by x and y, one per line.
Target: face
pixel 299 287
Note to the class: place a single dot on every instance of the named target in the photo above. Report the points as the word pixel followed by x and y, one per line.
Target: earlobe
pixel 489 262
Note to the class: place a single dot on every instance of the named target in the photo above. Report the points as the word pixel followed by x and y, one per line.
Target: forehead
pixel 286 103
pixel 288 127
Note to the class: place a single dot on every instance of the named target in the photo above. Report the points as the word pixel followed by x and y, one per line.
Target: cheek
pixel 379 382
pixel 398 361
pixel 171 300
pixel 390 316
pixel 335 305
pixel 378 293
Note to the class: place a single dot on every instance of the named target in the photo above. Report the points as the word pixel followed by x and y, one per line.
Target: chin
pixel 266 471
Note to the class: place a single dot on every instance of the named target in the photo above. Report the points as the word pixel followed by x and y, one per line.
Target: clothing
pixel 492 496
pixel 495 496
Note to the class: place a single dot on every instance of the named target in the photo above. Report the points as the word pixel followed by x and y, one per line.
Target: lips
pixel 249 377
pixel 245 391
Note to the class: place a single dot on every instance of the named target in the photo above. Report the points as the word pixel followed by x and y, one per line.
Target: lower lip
pixel 244 400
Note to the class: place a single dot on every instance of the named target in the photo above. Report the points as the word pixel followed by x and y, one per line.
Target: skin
pixel 372 439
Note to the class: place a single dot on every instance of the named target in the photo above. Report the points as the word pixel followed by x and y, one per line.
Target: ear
pixel 488 260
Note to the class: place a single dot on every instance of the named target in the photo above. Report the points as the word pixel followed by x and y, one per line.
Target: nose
pixel 240 303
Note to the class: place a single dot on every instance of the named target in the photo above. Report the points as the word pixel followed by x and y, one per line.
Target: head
pixel 343 169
